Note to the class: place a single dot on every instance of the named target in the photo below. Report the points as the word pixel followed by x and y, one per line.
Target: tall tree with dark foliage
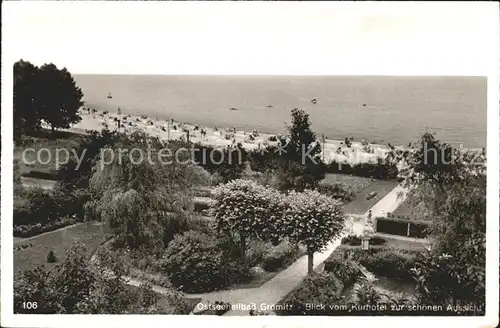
pixel 44 94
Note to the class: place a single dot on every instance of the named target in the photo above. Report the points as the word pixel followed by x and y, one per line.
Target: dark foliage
pixel 347 271
pixel 197 262
pixel 382 170
pixel 44 93
pixel 324 288
pixel 418 229
pixel 226 162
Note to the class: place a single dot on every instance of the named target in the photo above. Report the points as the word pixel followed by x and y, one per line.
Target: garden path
pixel 271 292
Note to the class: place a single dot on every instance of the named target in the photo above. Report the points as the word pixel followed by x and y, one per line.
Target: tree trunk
pixel 242 245
pixel 310 258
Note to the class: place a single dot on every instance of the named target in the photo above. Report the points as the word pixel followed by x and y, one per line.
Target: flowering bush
pixel 347 271
pixel 247 209
pixel 196 262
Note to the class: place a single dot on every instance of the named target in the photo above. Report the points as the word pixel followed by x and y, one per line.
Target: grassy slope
pixel 403 210
pixel 89 234
pixel 363 187
pixel 45 140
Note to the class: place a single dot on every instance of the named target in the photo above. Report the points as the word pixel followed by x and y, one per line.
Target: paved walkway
pixel 389 203
pixel 271 292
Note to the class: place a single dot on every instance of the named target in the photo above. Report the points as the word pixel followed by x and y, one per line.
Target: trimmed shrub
pixel 391 264
pixel 280 256
pixel 51 257
pixel 323 288
pixel 377 241
pixel 351 240
pixel 347 271
pixel 396 226
pixel 196 262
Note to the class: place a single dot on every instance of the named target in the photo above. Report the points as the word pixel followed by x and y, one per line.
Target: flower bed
pixel 30 230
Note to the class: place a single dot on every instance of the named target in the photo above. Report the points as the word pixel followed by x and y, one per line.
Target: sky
pixel 255 38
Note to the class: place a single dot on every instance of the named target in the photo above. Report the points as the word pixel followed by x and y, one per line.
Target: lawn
pixel 89 234
pixel 403 211
pixel 362 187
pixel 46 163
pixel 405 244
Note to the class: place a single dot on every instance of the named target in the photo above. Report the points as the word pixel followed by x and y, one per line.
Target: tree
pixel 433 161
pixel 58 291
pixel 36 286
pixel 449 188
pixel 26 111
pixel 70 175
pixel 228 162
pixel 77 287
pixel 143 199
pixel 247 209
pixel 59 97
pixel 313 220
pixel 431 166
pixel 46 93
pixel 456 278
pixel 300 166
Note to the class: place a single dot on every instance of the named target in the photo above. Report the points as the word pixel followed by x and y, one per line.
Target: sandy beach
pixel 358 152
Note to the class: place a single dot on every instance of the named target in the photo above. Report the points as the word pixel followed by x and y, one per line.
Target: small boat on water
pixel 314 101
pixel 233 108
pixel 364 105
pixel 269 106
pixel 109 95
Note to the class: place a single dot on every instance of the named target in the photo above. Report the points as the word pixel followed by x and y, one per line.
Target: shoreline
pixel 358 152
pixel 332 150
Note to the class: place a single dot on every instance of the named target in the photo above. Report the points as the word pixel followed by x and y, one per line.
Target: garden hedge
pixel 396 226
